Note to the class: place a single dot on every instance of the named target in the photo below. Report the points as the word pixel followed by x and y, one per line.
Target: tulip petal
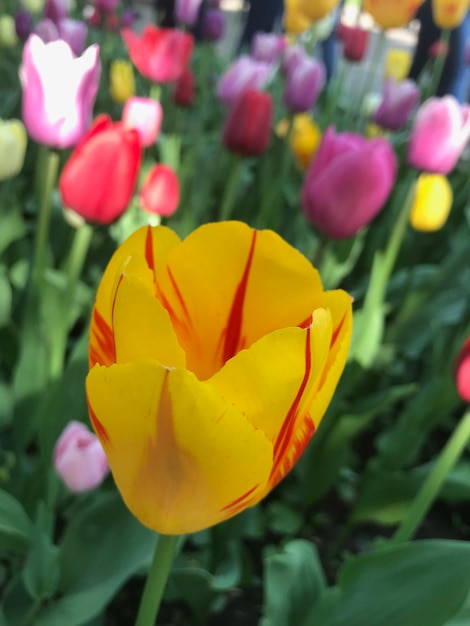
pixel 226 302
pixel 142 327
pixel 182 458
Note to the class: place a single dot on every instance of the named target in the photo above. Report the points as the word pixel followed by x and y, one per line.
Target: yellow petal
pixel 182 459
pixel 227 285
pixel 432 204
pixel 142 327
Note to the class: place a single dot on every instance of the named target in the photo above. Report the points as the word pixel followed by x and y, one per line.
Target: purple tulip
pixel 56 10
pixel 303 85
pixel 398 101
pixel 347 183
pixel 127 18
pixel 440 132
pixel 59 91
pixel 74 33
pixel 23 24
pixel 186 11
pixel 267 47
pixel 79 458
pixel 244 73
pixel 292 57
pixel 46 30
pixel 213 25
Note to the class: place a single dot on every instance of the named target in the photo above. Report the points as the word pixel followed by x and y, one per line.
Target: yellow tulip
pixel 392 13
pixel 13 140
pixel 295 22
pixel 121 81
pixel 304 138
pixel 8 36
pixel 432 203
pixel 449 13
pixel 317 9
pixel 34 6
pixel 213 360
pixel 397 64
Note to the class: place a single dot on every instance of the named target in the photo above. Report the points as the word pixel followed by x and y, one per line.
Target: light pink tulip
pixel 145 115
pixel 303 85
pixel 292 57
pixel 46 30
pixel 440 132
pixel 398 102
pixel 74 32
pixel 187 11
pixel 267 47
pixel 348 183
pixel 79 458
pixel 245 73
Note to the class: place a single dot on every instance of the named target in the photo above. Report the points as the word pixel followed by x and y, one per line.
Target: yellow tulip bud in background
pixel 8 36
pixel 392 13
pixel 317 9
pixel 432 203
pixel 121 81
pixel 304 138
pixel 397 64
pixel 33 6
pixel 295 22
pixel 13 141
pixel 449 13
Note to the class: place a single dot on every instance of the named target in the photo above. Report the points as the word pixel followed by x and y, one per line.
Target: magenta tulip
pixel 398 102
pixel 213 25
pixel 245 73
pixel 303 85
pixel 348 183
pixel 23 24
pixel 145 116
pixel 59 91
pixel 439 135
pixel 56 10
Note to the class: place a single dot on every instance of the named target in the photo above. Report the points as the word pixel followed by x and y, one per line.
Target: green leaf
pixel 194 586
pixel 13 227
pixel 229 568
pixel 5 297
pixel 294 582
pixel 15 525
pixel 283 519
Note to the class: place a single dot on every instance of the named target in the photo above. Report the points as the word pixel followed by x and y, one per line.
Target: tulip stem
pixel 231 189
pixel 431 487
pixel 371 73
pixel 334 95
pixel 156 580
pixel 439 63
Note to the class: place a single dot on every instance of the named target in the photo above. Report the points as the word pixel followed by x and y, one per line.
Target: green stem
pixel 156 580
pixel 335 95
pixel 375 63
pixel 429 491
pixel 439 63
pixel 231 189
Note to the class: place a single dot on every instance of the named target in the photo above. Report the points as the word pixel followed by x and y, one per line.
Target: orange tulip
pixel 317 9
pixel 213 360
pixel 392 13
pixel 449 13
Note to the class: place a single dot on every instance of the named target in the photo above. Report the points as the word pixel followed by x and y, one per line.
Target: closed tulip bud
pixel 74 32
pixel 439 49
pixel 59 91
pixel 213 25
pixel 56 10
pixel 355 40
pixel 303 85
pixel 398 102
pixel 462 372
pixel 293 56
pixel 106 6
pixel 79 459
pixel 13 141
pixel 99 178
pixel 304 138
pixel 145 116
pixel 93 17
pixel 317 9
pixel 46 30
pixel 392 13
pixel 127 18
pixel 397 64
pixel 440 132
pixel 347 183
pixel 267 47
pixel 8 36
pixel 187 11
pixel 121 81
pixel 247 129
pixel 244 73
pixel 449 13
pixel 295 20
pixel 23 24
pixel 432 204
pixel 185 89
pixel 160 193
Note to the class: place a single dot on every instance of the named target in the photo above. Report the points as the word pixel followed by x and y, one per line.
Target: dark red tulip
pixel 248 126
pixel 355 40
pixel 185 89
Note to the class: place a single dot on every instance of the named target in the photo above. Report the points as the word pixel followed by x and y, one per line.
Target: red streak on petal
pixel 284 439
pixel 149 257
pixel 307 322
pixel 98 426
pixel 337 331
pixel 239 503
pixel 296 448
pixel 178 293
pixel 104 352
pixel 234 324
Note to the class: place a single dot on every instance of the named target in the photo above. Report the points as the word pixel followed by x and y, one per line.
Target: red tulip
pixel 462 372
pixel 160 193
pixel 98 180
pixel 185 89
pixel 247 129
pixel 160 54
pixel 355 40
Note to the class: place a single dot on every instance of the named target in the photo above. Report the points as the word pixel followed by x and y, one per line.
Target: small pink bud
pixel 160 192
pixel 462 372
pixel 145 115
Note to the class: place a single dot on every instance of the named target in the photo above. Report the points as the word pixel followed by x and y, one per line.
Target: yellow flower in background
pixel 317 9
pixel 432 204
pixel 373 130
pixel 8 36
pixel 304 139
pixel 121 81
pixel 397 64
pixel 392 13
pixel 295 22
pixel 13 140
pixel 449 13
pixel 34 6
pixel 213 361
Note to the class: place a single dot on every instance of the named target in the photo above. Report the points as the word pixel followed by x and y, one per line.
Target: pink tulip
pixel 462 372
pixel 59 91
pixel 398 102
pixel 79 459
pixel 56 10
pixel 303 85
pixel 74 32
pixel 145 115
pixel 187 11
pixel 46 30
pixel 160 192
pixel 292 57
pixel 106 6
pixel 439 135
pixel 267 47
pixel 348 183
pixel 245 73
